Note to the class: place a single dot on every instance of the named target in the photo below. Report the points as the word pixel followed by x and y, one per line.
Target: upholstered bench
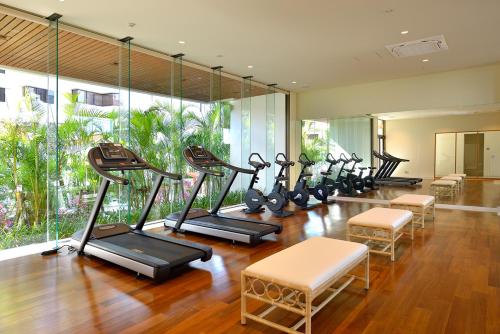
pixel 458 179
pixel 458 174
pixel 293 278
pixel 444 188
pixel 420 205
pixel 380 228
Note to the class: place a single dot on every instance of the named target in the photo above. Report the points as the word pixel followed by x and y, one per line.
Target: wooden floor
pixel 479 192
pixel 446 281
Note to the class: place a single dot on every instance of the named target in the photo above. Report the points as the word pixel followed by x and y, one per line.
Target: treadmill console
pixel 113 152
pixel 199 153
pixel 112 156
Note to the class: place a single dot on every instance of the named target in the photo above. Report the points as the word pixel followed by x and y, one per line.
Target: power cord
pixel 57 249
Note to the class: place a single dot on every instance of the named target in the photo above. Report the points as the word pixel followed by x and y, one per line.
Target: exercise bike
pixel 344 182
pixel 357 181
pixel 326 186
pixel 255 199
pixel 369 180
pixel 284 164
pixel 301 192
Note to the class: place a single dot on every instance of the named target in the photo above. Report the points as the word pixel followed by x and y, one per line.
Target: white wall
pixel 468 87
pixel 492 154
pixel 414 138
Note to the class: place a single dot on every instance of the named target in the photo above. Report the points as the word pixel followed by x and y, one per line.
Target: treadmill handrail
pixel 395 158
pixel 173 176
pixel 142 165
pixel 219 163
pixel 199 168
pixel 103 173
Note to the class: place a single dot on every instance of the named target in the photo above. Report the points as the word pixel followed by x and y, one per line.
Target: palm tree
pixel 13 139
pixel 33 165
pixel 208 131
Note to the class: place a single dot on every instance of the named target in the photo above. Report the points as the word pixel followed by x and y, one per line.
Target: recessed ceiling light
pixel 404 32
pixel 294 82
pixel 182 42
pixel 61 0
pixel 131 24
pixel 250 66
pixel 425 60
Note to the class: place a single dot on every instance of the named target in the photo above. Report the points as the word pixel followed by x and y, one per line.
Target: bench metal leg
pixel 423 217
pixel 308 315
pixel 243 300
pixel 412 227
pixel 367 271
pixel 433 210
pixel 392 245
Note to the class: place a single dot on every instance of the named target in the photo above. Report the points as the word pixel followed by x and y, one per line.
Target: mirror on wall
pixel 475 153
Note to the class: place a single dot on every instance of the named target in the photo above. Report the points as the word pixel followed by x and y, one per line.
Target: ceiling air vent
pixel 419 47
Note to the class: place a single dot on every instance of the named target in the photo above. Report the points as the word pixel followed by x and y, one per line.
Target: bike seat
pixel 307 174
pixel 281 178
pixel 362 168
pixel 372 168
pixel 349 170
pixel 326 173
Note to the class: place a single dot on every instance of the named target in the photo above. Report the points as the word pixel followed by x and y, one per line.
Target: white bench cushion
pixel 410 199
pixel 310 263
pixel 443 183
pixel 452 178
pixel 382 217
pixel 461 175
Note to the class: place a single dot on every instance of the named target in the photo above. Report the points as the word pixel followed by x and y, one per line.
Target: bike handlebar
pixel 304 160
pixel 258 164
pixel 330 159
pixel 284 162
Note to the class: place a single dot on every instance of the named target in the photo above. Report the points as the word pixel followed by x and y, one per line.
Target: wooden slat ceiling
pixel 25 45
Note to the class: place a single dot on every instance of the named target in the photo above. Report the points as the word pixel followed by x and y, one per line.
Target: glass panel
pixel 445 153
pixel 176 133
pixel 270 137
pixel 213 119
pixel 24 102
pixel 53 141
pixel 151 112
pixel 232 126
pixel 92 108
pixel 345 135
pixel 315 144
pixel 473 153
pixel 246 130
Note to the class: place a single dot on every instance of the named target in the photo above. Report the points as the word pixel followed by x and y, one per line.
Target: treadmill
pixel 149 254
pixel 383 175
pixel 211 222
pixel 396 162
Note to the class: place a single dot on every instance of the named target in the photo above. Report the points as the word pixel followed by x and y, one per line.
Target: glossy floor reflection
pixel 476 192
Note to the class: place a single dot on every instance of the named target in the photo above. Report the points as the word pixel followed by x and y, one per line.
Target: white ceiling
pixel 469 110
pixel 317 43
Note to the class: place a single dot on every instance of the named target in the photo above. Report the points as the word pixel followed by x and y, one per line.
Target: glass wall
pixel 62 93
pixel 336 136
pixel 474 153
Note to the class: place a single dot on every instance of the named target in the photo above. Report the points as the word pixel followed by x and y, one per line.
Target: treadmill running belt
pixel 172 253
pixel 232 225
